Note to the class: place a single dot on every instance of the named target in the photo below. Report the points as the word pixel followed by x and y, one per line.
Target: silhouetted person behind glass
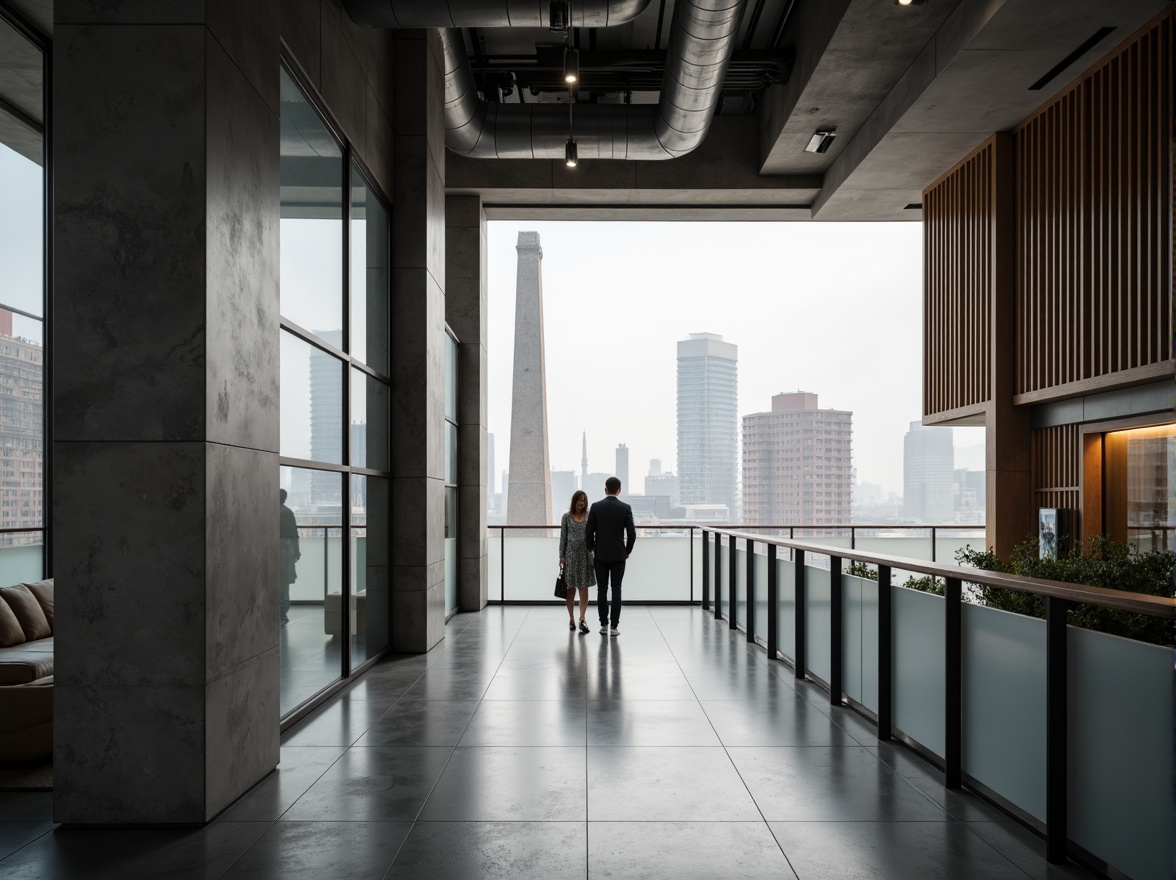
pixel 290 554
pixel 610 535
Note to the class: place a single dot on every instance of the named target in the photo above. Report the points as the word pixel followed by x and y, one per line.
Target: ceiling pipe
pixel 702 41
pixel 488 13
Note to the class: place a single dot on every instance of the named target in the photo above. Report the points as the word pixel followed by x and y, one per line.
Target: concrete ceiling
pixel 910 90
pixel 22 88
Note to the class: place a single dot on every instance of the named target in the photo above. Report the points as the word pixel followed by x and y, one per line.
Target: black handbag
pixel 561 589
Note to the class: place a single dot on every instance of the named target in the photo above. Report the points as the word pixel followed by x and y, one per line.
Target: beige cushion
pixel 43 592
pixel 11 632
pixel 28 611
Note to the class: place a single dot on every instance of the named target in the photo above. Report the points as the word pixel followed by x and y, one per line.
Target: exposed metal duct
pixel 487 13
pixel 702 40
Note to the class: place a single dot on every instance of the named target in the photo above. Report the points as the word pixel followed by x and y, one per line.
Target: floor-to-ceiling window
pixel 451 547
pixel 23 296
pixel 335 402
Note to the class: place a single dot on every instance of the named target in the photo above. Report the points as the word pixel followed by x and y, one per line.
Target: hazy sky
pixel 831 308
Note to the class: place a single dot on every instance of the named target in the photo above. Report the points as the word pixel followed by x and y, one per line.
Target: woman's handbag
pixel 561 589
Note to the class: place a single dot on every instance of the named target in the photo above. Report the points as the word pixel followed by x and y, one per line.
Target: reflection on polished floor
pixel 517 749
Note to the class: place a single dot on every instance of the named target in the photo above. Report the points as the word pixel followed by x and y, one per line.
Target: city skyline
pixel 611 349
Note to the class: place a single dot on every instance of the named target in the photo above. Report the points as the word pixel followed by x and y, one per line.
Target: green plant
pixel 925 584
pixel 1097 562
pixel 862 570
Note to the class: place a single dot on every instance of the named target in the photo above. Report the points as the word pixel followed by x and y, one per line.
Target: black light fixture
pixel 560 15
pixel 821 140
pixel 570 157
pixel 571 66
pixel 910 2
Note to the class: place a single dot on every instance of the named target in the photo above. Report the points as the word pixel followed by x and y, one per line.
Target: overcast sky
pixel 831 308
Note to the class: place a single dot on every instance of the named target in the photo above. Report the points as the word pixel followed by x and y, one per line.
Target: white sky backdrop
pixel 832 308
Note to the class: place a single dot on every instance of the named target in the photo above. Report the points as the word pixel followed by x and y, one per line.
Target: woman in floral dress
pixel 574 558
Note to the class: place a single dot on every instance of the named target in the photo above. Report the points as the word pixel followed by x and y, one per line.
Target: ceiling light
pixel 821 140
pixel 910 2
pixel 570 158
pixel 559 16
pixel 571 66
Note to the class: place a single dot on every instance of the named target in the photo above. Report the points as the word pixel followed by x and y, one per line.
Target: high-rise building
pixel 798 463
pixel 491 486
pixel 529 500
pixel 928 475
pixel 622 470
pixel 969 495
pixel 326 427
pixel 563 486
pixel 21 433
pixel 708 420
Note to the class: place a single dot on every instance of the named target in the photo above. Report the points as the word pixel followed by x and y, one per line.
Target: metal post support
pixel 835 612
pixel 706 570
pixel 933 543
pixel 1056 745
pixel 732 584
pixel 750 590
pixel 798 623
pixel 718 577
pixel 773 636
pixel 953 733
pixel 885 662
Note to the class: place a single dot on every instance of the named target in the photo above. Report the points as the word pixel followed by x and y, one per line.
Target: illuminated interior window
pixel 1142 489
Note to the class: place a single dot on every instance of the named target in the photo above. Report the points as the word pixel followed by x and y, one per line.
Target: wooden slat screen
pixel 958 238
pixel 1056 465
pixel 1094 183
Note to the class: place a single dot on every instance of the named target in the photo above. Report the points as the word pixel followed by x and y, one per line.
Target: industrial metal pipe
pixel 702 41
pixel 487 13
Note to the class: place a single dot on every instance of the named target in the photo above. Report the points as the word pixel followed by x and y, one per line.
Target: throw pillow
pixel 10 631
pixel 43 591
pixel 28 612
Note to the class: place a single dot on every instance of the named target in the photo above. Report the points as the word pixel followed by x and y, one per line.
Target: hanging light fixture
pixel 570 158
pixel 571 66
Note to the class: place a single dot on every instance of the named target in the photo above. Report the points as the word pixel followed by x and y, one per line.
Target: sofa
pixel 26 671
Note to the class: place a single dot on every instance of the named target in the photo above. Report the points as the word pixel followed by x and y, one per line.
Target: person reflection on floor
pixel 290 555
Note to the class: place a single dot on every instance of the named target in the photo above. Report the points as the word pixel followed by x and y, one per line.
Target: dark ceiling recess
pixel 1089 44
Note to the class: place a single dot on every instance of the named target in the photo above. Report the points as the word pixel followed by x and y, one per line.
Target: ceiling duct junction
pixel 487 13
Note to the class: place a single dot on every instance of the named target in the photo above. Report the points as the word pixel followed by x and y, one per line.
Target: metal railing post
pixel 1056 744
pixel 501 564
pixel 718 576
pixel 705 569
pixel 835 614
pixel 773 646
pixel 798 623
pixel 933 542
pixel 953 684
pixel 885 654
pixel 690 537
pixel 750 590
pixel 732 583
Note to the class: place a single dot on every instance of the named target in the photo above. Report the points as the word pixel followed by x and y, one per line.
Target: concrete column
pixel 465 311
pixel 1008 511
pixel 418 343
pixel 165 408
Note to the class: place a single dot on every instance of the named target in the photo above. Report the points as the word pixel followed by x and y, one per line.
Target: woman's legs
pixel 571 598
pixel 583 601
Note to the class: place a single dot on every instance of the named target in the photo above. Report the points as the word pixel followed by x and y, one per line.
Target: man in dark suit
pixel 611 536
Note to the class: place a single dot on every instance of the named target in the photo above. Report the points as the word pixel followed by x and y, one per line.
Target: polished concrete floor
pixel 517 749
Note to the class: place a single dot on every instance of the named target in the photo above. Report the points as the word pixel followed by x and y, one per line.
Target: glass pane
pixel 311 569
pixel 312 404
pixel 21 220
pixel 371 401
pixel 450 454
pixel 450 378
pixel 312 176
pixel 22 425
pixel 22 557
pixel 451 560
pixel 369 276
pixel 1151 488
pixel 369 567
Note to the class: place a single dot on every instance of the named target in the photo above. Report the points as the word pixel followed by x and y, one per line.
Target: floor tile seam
pixel 52 827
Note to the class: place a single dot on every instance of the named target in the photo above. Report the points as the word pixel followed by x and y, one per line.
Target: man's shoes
pixel 614 632
pixel 583 627
pixel 604 630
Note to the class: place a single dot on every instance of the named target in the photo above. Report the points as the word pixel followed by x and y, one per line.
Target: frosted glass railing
pixel 21 562
pixel 1117 703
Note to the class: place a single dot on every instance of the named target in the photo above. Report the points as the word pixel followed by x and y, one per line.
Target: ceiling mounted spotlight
pixel 570 158
pixel 559 15
pixel 571 66
pixel 910 2
pixel 821 140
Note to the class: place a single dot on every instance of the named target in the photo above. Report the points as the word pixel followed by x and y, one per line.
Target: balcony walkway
pixel 517 750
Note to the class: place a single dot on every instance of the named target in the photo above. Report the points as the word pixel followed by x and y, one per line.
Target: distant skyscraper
pixel 563 486
pixel 529 495
pixel 584 463
pixel 797 463
pixel 326 423
pixel 928 475
pixel 21 433
pixel 622 471
pixel 708 420
pixel 655 467
pixel 491 489
pixel 663 484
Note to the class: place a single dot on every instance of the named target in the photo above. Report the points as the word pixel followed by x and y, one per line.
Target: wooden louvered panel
pixel 959 214
pixel 1094 226
pixel 1056 467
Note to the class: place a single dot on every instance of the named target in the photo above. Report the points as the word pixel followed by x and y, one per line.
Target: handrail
pixel 1156 606
pixel 841 527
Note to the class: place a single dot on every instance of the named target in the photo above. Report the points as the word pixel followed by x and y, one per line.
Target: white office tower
pixel 708 420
